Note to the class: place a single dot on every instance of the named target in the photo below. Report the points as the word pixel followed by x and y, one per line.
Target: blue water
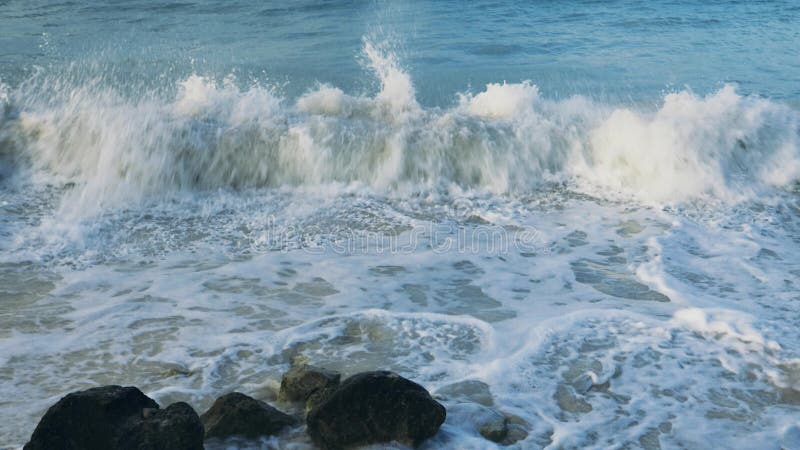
pixel 616 49
pixel 586 210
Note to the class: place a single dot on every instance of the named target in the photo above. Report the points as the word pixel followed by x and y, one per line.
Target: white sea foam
pixel 502 101
pixel 505 139
pixel 719 145
pixel 192 300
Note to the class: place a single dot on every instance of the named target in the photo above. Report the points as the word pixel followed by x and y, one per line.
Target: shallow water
pixel 591 209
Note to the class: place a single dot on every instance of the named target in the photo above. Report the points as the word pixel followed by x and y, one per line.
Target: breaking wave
pixel 508 138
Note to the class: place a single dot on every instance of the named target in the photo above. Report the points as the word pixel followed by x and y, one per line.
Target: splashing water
pixel 505 139
pixel 606 272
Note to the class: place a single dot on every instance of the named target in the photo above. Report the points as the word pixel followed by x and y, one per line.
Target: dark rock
pixel 92 419
pixel 375 407
pixel 236 414
pixel 495 428
pixel 318 397
pixel 516 433
pixel 177 427
pixel 302 381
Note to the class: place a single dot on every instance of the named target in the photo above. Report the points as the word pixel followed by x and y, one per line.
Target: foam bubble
pixel 502 101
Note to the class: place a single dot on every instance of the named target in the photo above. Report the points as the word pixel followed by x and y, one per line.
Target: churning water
pixel 590 208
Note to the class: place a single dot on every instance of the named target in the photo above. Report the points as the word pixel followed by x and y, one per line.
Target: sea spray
pixel 507 138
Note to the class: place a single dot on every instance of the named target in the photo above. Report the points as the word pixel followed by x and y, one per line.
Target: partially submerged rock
pixel 303 380
pixel 116 417
pixel 518 430
pixel 236 414
pixel 589 382
pixel 492 424
pixel 495 427
pixel 468 390
pixel 570 401
pixel 375 407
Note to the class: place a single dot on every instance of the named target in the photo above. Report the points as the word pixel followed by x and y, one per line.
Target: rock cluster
pixel 367 408
pixel 116 417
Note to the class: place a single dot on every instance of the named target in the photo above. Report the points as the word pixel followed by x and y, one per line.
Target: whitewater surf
pixel 611 270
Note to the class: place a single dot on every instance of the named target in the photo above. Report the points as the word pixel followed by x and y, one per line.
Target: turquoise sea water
pixel 588 208
pixel 617 50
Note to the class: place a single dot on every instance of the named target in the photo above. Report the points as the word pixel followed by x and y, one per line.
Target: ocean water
pixel 592 209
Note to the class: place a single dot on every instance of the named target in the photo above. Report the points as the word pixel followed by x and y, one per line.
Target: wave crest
pixel 506 139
